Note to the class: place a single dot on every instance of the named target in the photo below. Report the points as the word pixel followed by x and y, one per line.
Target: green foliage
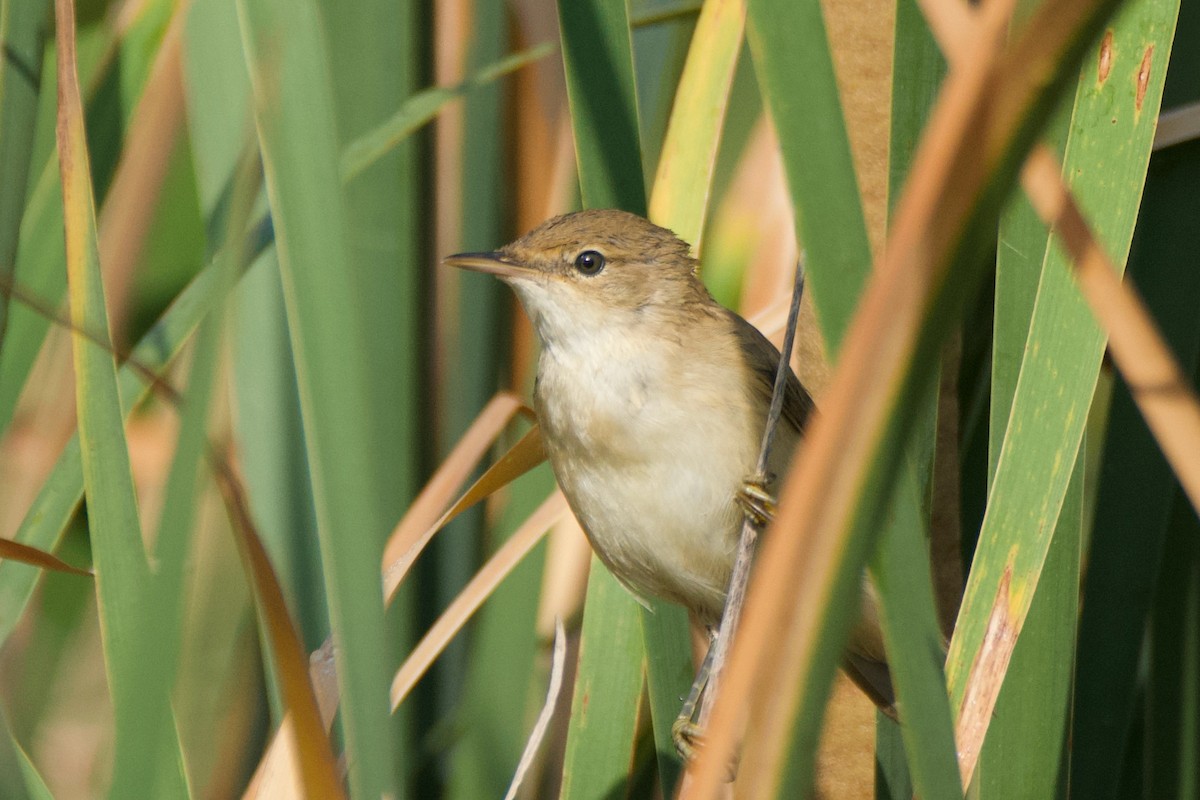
pixel 323 295
pixel 302 326
pixel 608 690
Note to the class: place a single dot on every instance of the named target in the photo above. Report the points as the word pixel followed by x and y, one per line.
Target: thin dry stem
pixel 314 751
pixel 740 578
pixel 553 692
pixel 47 311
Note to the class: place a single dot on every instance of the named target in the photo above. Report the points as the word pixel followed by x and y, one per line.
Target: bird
pixel 652 399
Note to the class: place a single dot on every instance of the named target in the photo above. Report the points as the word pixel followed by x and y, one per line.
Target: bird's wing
pixel 763 360
pixel 873 678
pixel 864 660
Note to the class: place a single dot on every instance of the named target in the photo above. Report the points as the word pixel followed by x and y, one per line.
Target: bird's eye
pixel 589 262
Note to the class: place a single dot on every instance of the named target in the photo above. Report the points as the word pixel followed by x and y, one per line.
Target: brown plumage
pixel 652 399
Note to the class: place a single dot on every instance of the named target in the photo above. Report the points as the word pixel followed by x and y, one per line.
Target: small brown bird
pixel 652 399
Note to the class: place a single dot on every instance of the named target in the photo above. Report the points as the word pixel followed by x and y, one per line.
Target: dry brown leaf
pixel 317 766
pixel 437 493
pixel 474 593
pixel 976 115
pixel 1155 379
pixel 278 774
pixel 37 558
pixel 1165 397
pixel 526 454
pixel 46 414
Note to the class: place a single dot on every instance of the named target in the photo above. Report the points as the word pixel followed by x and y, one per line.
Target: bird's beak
pixel 493 263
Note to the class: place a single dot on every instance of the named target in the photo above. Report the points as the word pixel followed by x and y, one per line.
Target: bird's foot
pixel 757 503
pixel 689 739
pixel 688 736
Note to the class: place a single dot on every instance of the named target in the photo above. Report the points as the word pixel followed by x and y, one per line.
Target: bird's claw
pixel 687 736
pixel 757 503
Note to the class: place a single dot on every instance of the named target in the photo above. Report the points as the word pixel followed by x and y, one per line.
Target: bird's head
pixel 597 267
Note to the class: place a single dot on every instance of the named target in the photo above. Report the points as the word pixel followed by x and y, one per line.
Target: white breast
pixel 650 448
